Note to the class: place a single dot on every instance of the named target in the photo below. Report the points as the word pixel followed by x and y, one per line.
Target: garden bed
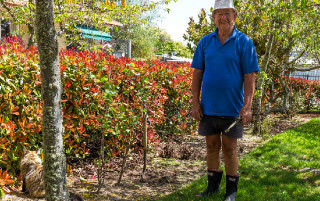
pixel 172 165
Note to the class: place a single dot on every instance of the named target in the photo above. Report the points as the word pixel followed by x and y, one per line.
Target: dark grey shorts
pixel 211 125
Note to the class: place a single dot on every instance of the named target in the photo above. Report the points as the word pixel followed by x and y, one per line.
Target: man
pixel 225 65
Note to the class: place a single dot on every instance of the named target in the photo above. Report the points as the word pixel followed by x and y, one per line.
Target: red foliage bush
pixel 309 88
pixel 102 96
pixel 307 91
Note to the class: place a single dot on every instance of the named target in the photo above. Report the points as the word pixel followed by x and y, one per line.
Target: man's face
pixel 224 18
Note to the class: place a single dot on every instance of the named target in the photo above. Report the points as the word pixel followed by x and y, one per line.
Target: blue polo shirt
pixel 224 67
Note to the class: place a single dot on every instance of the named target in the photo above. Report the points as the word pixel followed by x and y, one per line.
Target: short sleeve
pixel 249 61
pixel 198 57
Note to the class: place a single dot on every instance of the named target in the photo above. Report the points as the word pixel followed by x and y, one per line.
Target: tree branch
pixel 316 57
pixel 84 11
pixel 8 10
pixel 306 69
pixel 298 57
pixel 12 15
pixel 277 110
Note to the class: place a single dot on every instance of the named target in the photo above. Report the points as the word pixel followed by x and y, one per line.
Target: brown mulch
pixel 171 166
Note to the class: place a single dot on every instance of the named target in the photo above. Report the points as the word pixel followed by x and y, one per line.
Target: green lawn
pixel 285 168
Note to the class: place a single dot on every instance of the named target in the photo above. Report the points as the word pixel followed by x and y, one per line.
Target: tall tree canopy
pixel 197 30
pixel 95 13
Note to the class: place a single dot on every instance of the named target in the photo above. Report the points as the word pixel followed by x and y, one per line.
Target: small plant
pixel 266 126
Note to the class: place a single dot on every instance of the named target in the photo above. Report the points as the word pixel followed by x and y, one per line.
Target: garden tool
pixel 237 121
pixel 145 144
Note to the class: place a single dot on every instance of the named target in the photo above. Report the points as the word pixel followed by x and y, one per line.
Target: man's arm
pixel 196 88
pixel 249 85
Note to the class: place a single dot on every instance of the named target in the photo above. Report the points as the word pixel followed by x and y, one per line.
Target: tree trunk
pixel 257 102
pixel 100 168
pixel 54 159
pixel 31 31
pixel 124 163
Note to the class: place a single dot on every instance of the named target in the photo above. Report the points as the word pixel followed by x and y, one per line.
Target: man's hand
pixel 246 115
pixel 197 112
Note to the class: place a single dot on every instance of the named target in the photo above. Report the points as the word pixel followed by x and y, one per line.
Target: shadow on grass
pixel 271 172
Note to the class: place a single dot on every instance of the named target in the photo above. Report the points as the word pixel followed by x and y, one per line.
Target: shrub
pixel 103 98
pixel 304 94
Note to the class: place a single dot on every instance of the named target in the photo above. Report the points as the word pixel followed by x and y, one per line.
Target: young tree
pixel 54 158
pixel 142 32
pixel 196 31
pixel 181 50
pixel 167 46
pixel 278 28
pixel 143 39
pixel 164 42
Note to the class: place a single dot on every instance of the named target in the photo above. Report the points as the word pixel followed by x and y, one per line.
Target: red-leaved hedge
pixel 102 96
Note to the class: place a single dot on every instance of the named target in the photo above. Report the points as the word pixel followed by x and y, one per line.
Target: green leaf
pixel 121 108
pixel 1 193
pixel 304 4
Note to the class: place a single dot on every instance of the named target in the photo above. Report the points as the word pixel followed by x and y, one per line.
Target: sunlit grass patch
pixel 284 168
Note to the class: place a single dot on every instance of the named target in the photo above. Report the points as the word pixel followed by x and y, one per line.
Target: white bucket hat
pixel 220 4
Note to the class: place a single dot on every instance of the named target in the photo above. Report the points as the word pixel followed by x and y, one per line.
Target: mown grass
pixel 285 168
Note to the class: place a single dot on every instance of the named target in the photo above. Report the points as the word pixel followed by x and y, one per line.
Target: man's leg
pixel 213 143
pixel 213 163
pixel 230 152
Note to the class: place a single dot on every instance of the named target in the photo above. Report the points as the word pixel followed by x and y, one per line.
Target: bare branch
pixel 11 14
pixel 277 110
pixel 8 10
pixel 307 69
pixel 84 11
pixel 298 57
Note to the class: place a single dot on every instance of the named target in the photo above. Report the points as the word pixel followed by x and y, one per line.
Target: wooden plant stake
pixel 145 143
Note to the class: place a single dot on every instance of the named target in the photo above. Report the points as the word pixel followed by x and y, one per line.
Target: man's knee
pixel 229 150
pixel 229 147
pixel 213 143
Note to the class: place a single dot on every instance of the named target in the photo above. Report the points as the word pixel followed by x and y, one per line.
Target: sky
pixel 175 23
